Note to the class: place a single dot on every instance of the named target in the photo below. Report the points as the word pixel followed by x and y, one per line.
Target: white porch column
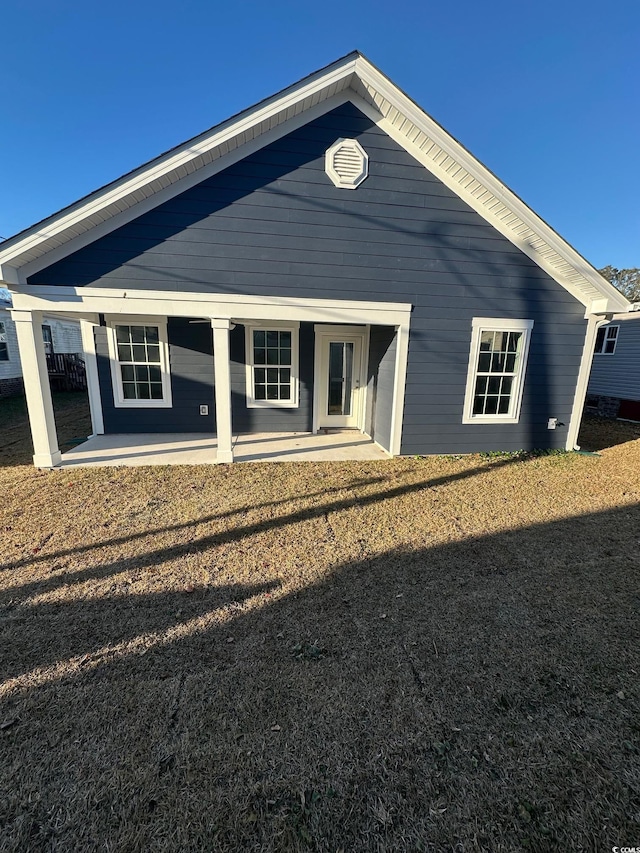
pixel 87 328
pixel 397 413
pixel 37 388
pixel 593 324
pixel 222 379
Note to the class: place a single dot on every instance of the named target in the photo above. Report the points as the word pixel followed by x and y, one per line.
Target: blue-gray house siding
pixel 273 224
pixel 191 360
pixel 618 375
pixel 271 420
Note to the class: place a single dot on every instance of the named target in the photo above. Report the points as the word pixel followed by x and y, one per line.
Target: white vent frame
pixel 347 176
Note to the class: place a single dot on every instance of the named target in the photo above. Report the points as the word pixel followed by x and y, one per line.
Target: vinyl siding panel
pixel 10 369
pixel 618 375
pixel 65 334
pixel 191 363
pixel 274 225
pixel 247 420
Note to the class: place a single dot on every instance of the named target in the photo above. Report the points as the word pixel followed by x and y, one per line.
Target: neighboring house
pixel 329 258
pixel 61 337
pixel 614 384
pixel 10 369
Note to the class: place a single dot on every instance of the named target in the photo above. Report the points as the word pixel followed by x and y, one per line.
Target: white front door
pixel 339 376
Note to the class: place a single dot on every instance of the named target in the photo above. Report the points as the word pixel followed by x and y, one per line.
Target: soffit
pixel 352 77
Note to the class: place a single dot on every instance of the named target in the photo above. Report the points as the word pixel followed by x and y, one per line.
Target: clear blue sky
pixel 547 95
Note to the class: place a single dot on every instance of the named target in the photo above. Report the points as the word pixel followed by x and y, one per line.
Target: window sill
pixel 490 419
pixel 270 404
pixel 142 404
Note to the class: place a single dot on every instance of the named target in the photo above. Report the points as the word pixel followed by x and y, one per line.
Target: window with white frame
pixel 272 366
pixel 606 340
pixel 4 349
pixel 139 358
pixel 497 364
pixel 47 337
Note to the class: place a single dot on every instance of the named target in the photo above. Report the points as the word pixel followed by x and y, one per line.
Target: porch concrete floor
pixel 198 449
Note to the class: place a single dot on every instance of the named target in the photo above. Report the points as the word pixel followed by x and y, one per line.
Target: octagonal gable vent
pixel 347 163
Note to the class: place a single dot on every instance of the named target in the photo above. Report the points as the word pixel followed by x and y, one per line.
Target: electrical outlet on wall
pixel 204 410
pixel 552 423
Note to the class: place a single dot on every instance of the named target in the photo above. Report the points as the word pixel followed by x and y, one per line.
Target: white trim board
pixel 82 300
pixel 87 330
pixel 353 78
pixel 593 324
pixel 323 332
pixel 166 193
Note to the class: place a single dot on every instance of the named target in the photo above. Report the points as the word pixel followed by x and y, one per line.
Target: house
pixel 62 344
pixel 614 383
pixel 330 258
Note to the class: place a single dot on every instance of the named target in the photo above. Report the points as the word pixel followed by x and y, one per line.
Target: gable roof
pixel 351 78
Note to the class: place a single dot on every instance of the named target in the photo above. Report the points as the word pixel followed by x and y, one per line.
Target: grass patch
pixel 73 421
pixel 522 454
pixel 416 654
pixel 600 433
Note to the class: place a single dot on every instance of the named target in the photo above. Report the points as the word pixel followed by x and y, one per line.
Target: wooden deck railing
pixel 66 372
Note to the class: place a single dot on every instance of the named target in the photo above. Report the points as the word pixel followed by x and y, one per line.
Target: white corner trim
pixel 593 324
pixel 281 326
pixel 490 324
pixel 119 400
pixel 87 329
pixel 399 387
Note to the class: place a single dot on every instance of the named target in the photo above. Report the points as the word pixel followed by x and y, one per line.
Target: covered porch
pixel 178 378
pixel 199 449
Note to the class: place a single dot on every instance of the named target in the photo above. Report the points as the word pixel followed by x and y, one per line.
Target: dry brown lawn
pixel 434 654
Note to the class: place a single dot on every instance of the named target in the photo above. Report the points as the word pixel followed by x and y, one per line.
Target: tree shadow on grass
pixel 238 533
pixel 226 535
pixel 474 695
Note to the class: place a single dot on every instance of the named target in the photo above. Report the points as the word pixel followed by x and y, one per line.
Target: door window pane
pixel 340 378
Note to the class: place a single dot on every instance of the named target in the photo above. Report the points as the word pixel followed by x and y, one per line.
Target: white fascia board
pixel 81 300
pixel 369 74
pixel 357 68
pixel 188 152
pixel 14 277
